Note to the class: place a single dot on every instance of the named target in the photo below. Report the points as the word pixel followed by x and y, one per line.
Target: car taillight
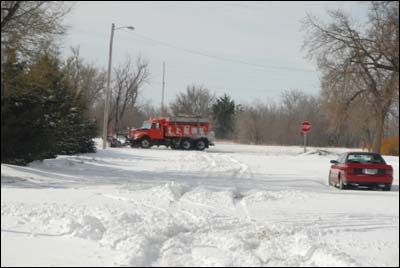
pixel 389 171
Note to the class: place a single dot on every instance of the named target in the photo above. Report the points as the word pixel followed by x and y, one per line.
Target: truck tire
pixel 134 144
pixel 145 143
pixel 174 146
pixel 186 144
pixel 200 145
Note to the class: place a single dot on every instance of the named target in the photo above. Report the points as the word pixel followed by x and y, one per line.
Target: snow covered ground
pixel 233 205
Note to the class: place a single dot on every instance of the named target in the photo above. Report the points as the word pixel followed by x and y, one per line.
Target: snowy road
pixel 233 205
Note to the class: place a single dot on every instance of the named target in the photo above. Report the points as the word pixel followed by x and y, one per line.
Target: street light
pixel 106 108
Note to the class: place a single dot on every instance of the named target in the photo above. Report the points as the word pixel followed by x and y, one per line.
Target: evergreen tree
pixel 223 112
pixel 40 116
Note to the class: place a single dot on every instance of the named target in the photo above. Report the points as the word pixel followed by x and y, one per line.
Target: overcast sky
pixel 254 48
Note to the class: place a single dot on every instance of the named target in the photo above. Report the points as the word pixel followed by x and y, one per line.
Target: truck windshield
pixel 146 125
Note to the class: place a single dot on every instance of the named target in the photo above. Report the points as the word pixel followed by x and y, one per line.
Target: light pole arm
pixel 127 27
pixel 107 103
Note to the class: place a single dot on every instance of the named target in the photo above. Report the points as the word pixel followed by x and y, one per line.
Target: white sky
pixel 259 33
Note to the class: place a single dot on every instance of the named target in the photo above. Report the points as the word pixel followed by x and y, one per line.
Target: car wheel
pixel 342 186
pixel 387 187
pixel 329 179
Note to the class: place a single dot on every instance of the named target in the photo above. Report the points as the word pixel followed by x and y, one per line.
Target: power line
pixel 219 87
pixel 192 75
pixel 187 74
pixel 195 52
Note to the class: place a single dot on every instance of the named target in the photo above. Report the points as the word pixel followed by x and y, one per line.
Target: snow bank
pixel 231 206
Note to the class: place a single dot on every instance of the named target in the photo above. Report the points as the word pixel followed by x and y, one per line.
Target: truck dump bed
pixel 186 127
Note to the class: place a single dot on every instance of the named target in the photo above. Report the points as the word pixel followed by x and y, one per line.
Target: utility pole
pixel 163 86
pixel 108 93
pixel 107 104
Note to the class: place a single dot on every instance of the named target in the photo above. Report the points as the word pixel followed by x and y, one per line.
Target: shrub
pixel 390 146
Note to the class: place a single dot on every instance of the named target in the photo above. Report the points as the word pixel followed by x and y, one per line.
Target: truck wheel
pixel 174 146
pixel 186 145
pixel 200 145
pixel 145 143
pixel 134 144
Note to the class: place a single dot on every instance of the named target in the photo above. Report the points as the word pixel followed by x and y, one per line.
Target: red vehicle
pixel 178 133
pixel 361 169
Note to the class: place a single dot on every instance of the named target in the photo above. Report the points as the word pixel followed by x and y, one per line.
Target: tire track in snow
pixel 208 220
pixel 202 218
pixel 222 163
pixel 325 224
pixel 155 234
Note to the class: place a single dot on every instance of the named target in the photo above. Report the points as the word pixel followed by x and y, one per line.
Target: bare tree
pixel 348 111
pixel 129 78
pixel 366 60
pixel 28 25
pixel 248 124
pixel 86 80
pixel 279 123
pixel 149 110
pixel 197 100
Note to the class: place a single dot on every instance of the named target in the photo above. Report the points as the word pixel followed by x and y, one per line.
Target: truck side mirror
pixel 334 162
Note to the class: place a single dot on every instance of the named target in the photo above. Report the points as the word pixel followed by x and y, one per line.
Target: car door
pixel 335 168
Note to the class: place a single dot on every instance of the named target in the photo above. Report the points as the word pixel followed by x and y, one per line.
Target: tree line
pixel 278 122
pixel 54 105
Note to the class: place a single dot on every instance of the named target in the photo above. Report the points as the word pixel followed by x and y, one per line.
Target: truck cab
pixel 151 129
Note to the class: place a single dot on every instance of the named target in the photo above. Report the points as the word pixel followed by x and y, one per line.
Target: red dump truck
pixel 186 133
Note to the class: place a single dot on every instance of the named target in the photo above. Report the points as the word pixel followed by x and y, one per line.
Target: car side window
pixel 378 159
pixel 342 158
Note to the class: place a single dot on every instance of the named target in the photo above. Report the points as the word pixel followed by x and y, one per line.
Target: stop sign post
pixel 305 127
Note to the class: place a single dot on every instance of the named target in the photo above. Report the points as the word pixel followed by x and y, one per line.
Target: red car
pixel 361 169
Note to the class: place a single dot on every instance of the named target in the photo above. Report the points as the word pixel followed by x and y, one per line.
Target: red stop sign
pixel 305 126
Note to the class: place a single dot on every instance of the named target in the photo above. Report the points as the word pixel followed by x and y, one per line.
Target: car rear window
pixel 365 158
